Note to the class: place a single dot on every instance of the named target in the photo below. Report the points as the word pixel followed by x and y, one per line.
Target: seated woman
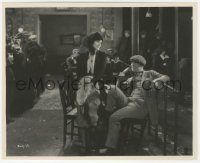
pixel 90 62
pixel 133 106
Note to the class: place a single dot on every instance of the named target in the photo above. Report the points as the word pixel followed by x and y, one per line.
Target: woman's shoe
pixel 107 152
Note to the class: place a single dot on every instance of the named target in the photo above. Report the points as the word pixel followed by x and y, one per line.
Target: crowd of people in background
pixel 159 52
pixel 25 61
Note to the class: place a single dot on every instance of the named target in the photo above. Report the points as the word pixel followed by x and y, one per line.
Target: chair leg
pixel 64 133
pixel 124 136
pixel 132 130
pixel 78 133
pixel 84 139
pixel 126 133
pixel 93 138
pixel 87 140
pixel 141 137
pixel 149 127
pixel 156 134
pixel 72 129
pixel 121 141
pixel 82 133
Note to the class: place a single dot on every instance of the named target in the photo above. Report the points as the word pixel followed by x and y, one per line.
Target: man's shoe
pixel 107 152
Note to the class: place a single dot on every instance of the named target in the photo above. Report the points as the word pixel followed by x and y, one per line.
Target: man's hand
pixel 158 83
pixel 121 74
pixel 116 60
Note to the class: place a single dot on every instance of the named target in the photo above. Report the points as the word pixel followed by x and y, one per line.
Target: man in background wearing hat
pixel 134 106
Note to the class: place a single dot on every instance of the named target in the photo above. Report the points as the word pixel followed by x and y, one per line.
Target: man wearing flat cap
pixel 137 105
pixel 136 59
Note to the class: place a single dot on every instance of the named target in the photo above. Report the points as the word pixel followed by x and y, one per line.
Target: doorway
pixel 57 34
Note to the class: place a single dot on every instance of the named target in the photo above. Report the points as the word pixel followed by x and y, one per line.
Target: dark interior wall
pixel 185 51
pixel 185 32
pixel 168 24
pixel 126 18
pixel 148 24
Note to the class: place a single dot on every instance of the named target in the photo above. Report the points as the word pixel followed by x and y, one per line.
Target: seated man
pixel 133 106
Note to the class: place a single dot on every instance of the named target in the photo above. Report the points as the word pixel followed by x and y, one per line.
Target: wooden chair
pixel 70 114
pixel 164 126
pixel 128 124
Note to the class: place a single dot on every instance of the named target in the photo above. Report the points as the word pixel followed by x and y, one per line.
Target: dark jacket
pixel 124 49
pixel 99 67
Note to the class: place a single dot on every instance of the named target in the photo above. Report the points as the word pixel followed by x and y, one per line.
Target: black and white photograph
pixel 99 80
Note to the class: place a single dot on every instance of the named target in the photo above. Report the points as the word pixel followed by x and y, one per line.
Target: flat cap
pixel 138 59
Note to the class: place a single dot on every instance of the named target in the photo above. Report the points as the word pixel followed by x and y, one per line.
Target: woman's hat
pixel 95 36
pixel 88 41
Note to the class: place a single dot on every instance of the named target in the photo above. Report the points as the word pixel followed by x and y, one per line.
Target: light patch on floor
pixel 38 131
